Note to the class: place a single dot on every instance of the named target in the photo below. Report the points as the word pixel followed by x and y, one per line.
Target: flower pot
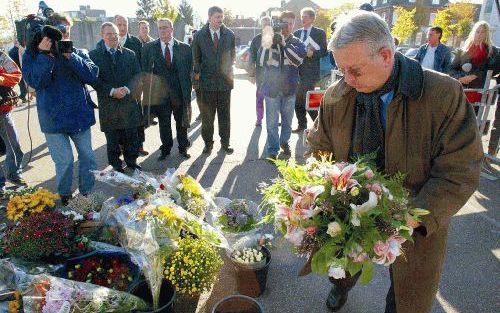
pixel 167 296
pixel 88 227
pixel 237 304
pixel 250 280
pixel 186 303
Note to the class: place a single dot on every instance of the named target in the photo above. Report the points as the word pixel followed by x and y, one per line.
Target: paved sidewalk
pixel 470 278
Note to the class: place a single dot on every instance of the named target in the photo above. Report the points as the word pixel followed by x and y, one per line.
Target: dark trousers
pixel 390 300
pixel 216 102
pixel 300 103
pixel 172 105
pixel 495 134
pixel 141 135
pixel 130 140
pixel 23 90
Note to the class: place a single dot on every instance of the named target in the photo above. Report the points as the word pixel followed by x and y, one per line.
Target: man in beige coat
pixel 416 122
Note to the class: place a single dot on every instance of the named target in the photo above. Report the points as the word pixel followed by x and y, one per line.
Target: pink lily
pixel 284 213
pixel 341 177
pixel 388 251
pixel 303 202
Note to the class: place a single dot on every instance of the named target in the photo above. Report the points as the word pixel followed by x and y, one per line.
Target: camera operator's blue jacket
pixel 281 67
pixel 63 102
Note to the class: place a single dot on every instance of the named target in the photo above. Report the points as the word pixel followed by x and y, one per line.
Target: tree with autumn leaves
pixel 456 20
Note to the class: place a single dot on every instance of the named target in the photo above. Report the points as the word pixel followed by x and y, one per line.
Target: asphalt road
pixel 470 280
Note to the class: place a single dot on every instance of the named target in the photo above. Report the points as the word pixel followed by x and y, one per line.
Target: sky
pixel 250 8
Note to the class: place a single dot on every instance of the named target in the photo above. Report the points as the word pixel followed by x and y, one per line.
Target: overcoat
pixel 432 137
pixel 124 71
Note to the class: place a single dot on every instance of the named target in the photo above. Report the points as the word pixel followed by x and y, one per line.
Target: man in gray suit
pixel 213 57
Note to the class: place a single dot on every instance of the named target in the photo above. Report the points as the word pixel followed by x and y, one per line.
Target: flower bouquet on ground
pixel 345 217
pixel 47 294
pixel 108 269
pixel 192 269
pixel 41 236
pixel 29 201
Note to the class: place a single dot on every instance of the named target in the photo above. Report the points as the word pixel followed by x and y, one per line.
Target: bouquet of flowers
pixel 25 204
pixel 38 236
pixel 88 206
pixel 249 256
pixel 16 305
pixel 47 294
pixel 345 216
pixel 194 267
pixel 237 216
pixel 111 271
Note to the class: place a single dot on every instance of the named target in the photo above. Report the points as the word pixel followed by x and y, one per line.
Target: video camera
pixel 31 30
pixel 278 27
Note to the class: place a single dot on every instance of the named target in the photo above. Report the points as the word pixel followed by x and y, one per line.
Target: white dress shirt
pixel 214 31
pixel 307 31
pixel 122 40
pixel 428 61
pixel 170 47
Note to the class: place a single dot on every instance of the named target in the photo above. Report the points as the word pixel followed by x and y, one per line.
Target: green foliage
pixel 322 259
pixel 228 18
pixel 456 20
pixel 165 9
pixel 367 273
pixel 186 12
pixel 405 25
pixel 145 9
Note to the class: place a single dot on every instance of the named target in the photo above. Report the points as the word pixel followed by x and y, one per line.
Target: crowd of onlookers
pixel 141 78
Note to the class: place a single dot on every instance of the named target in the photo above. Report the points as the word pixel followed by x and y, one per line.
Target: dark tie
pixel 168 61
pixel 304 35
pixel 216 41
pixel 113 54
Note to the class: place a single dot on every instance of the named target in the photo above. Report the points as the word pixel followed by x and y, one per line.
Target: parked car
pixel 411 53
pixel 242 58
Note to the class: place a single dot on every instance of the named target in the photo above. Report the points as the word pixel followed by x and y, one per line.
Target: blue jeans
pixel 13 154
pixel 62 155
pixel 284 105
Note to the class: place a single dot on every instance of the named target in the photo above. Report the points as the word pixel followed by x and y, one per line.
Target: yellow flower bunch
pixel 168 217
pixel 194 267
pixel 26 204
pixel 192 195
pixel 14 306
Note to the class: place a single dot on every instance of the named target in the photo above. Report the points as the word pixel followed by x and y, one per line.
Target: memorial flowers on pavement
pixel 193 267
pixel 26 203
pixel 344 216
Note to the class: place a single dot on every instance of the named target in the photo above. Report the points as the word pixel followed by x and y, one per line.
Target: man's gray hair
pixel 118 16
pixel 109 24
pixel 365 27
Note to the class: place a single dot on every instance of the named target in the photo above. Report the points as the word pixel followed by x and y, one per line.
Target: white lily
pixel 358 210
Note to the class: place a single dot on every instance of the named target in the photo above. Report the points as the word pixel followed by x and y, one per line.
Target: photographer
pixel 64 107
pixel 280 61
pixel 10 75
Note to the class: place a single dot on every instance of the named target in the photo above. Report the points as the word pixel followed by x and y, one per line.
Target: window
pixel 384 1
pixel 435 2
pixel 432 17
pixel 412 1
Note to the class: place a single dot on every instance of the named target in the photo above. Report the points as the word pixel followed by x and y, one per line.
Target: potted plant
pixel 192 269
pixel 251 266
pixel 25 202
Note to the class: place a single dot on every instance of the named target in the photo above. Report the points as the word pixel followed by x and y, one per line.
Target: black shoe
pixel 299 129
pixel 271 158
pixel 119 169
pixel 18 181
pixel 336 299
pixel 163 155
pixel 65 199
pixel 184 154
pixel 208 149
pixel 227 149
pixel 286 149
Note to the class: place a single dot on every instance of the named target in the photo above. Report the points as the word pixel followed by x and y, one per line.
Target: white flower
pixel 389 194
pixel 140 202
pixel 336 272
pixel 358 210
pixel 334 229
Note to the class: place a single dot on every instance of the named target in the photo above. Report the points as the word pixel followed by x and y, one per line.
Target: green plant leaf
pixel 420 212
pixel 353 268
pixel 366 273
pixel 322 259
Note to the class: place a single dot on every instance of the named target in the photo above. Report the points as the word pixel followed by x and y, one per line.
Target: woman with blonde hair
pixel 472 62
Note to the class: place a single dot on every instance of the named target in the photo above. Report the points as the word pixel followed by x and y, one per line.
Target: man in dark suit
pixel 315 41
pixel 118 90
pixel 168 64
pixel 213 57
pixel 133 43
